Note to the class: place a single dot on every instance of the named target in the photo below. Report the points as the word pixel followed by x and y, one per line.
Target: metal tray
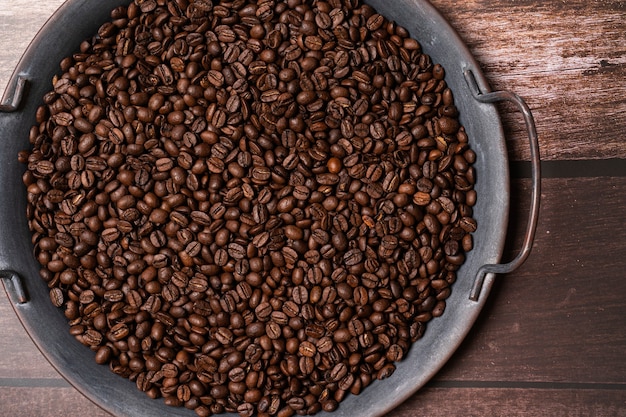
pixel 47 326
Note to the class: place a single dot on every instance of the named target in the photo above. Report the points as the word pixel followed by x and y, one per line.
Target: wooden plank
pixel 432 402
pixel 556 311
pixel 480 402
pixel 20 357
pixel 567 59
pixel 20 20
pixel 561 317
pixel 47 402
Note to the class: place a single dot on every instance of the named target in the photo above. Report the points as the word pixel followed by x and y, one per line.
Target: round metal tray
pixel 47 326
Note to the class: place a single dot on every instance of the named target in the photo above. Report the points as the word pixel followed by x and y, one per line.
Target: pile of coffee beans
pixel 250 206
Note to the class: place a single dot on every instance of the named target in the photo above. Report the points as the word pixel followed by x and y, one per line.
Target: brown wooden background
pixel 552 338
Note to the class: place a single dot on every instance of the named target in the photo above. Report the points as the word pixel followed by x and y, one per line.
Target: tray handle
pixel 495 97
pixel 14 286
pixel 8 105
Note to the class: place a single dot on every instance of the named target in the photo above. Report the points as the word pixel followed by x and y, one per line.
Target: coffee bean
pixel 245 410
pixel 119 331
pixel 338 372
pixel 57 297
pixel 386 371
pixel 468 224
pixel 273 330
pixel 263 311
pixel 300 294
pixel 301 192
pixel 353 257
pixel 260 174
pixel 307 349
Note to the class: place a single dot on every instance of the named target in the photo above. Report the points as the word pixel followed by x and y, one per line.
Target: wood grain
pixel 20 20
pixel 551 339
pixel 558 320
pixel 46 402
pixel 19 357
pixel 566 59
pixel 499 402
pixel 567 304
pixel 431 402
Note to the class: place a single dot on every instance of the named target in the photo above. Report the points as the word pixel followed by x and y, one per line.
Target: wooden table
pixel 552 338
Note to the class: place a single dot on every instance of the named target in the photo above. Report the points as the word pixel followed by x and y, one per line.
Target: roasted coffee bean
pixel 353 257
pixel 245 409
pixel 57 297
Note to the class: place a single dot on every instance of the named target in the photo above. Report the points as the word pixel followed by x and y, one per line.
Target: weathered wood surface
pixel 552 338
pixel 560 317
pixel 553 330
pixel 433 402
pixel 566 59
pixel 20 20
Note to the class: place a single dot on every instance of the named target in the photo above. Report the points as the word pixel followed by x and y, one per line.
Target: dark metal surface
pixel 529 236
pixel 14 103
pixel 47 326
